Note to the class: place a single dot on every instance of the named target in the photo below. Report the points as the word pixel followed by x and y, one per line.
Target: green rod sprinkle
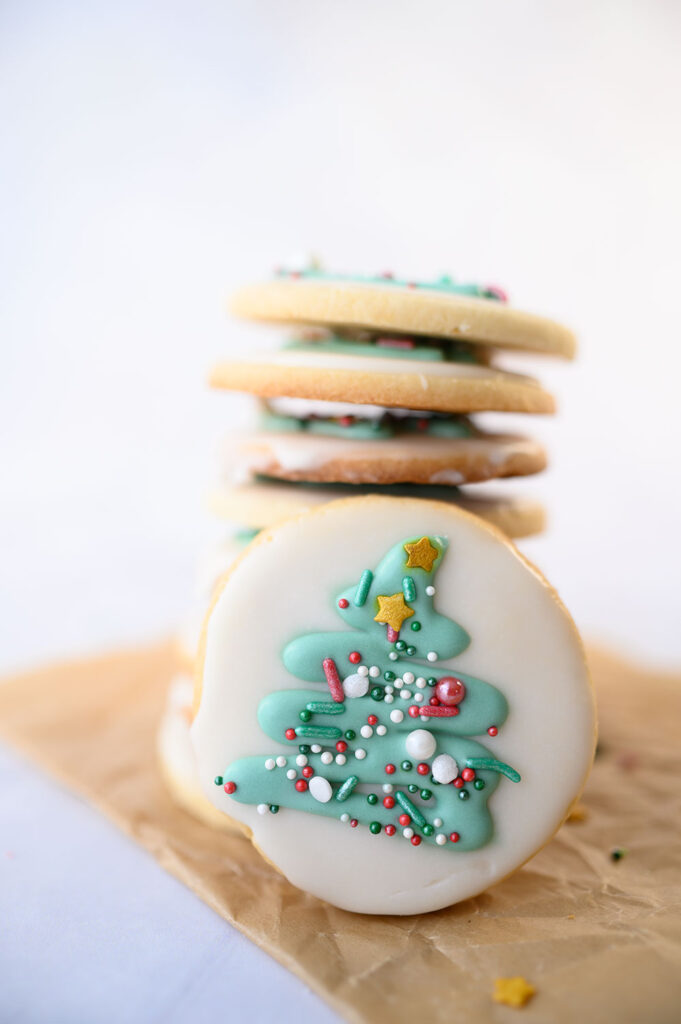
pixel 406 805
pixel 319 732
pixel 409 588
pixel 347 788
pixel 320 707
pixel 362 591
pixel 494 766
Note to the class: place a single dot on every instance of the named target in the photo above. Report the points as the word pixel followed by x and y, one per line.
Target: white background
pixel 155 155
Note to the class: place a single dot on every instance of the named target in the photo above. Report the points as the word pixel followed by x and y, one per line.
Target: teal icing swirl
pixel 441 284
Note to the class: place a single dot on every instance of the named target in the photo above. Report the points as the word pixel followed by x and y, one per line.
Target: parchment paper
pixel 600 939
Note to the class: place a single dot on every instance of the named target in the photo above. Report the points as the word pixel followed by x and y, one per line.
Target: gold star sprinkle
pixel 512 991
pixel 421 554
pixel 392 610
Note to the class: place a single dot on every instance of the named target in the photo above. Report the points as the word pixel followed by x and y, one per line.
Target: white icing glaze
pixel 304 407
pixel 523 641
pixel 174 739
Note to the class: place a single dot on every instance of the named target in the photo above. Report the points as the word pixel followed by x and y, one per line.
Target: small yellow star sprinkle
pixel 512 991
pixel 392 610
pixel 421 554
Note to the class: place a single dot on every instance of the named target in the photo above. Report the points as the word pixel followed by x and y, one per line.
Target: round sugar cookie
pixel 176 756
pixel 393 702
pixel 409 308
pixel 401 383
pixel 266 502
pixel 411 459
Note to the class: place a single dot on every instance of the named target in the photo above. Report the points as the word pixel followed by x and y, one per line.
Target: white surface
pixel 156 155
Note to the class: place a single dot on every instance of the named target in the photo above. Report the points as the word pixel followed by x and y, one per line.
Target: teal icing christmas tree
pixel 384 741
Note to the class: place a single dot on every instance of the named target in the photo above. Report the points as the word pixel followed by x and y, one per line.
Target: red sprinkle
pixel 422 768
pixel 333 680
pixel 390 769
pixel 458 783
pixel 389 802
pixel 346 421
pixel 404 819
pixel 468 775
pixel 290 734
pixel 301 785
pixel 390 830
pixel 437 712
pixel 492 730
pixel 434 702
pixel 355 657
pixel 341 746
pixel 414 711
pixel 450 690
pixel 308 771
pixel 230 787
pixel 416 840
pixel 343 603
pixel 454 837
pixel 372 720
pixel 393 634
pixel 353 823
pixel 422 424
pixel 395 342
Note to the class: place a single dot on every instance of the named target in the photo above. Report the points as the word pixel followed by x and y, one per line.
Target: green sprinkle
pixel 372 798
pixel 362 591
pixel 375 828
pixel 218 780
pixel 350 734
pixel 325 707
pixel 618 853
pixel 377 693
pixel 304 748
pixel 412 788
pixel 416 626
pixel 406 766
pixel 400 645
pixel 319 732
pixel 427 830
pixel 274 808
pixel 406 805
pixel 432 681
pixel 389 676
pixel 305 715
pixel 409 588
pixel 411 651
pixel 494 766
pixel 463 794
pixel 347 788
pixel 426 794
pixel 479 784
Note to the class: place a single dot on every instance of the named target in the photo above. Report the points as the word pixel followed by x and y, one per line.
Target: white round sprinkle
pixel 355 685
pixel 421 744
pixel 315 748
pixel 262 808
pixel 396 715
pixel 407 833
pixel 390 689
pixel 270 764
pixel 366 731
pixel 393 655
pixel 408 678
pixel 405 694
pixel 281 761
pixel 345 817
pixel 418 697
pixel 320 789
pixel 431 655
pixel 362 670
pixel 291 773
pixel 374 671
pixel 341 758
pixel 430 591
pixel 387 787
pixel 420 682
pixel 437 822
pixel 440 839
pixel 445 769
pixel 388 699
pixel 360 753
pixel 301 760
pixel 381 730
pixel 327 757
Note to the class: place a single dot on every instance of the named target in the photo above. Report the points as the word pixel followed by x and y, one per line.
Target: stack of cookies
pixel 374 391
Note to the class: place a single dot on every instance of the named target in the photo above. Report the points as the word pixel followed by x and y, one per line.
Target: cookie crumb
pixel 513 991
pixel 578 813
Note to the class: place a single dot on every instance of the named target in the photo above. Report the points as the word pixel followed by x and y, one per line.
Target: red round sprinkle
pixel 458 782
pixel 390 830
pixel 388 801
pixel 372 720
pixel 422 424
pixel 422 768
pixel 468 775
pixel 492 730
pixel 301 785
pixel 308 771
pixel 454 837
pixel 390 769
pixel 230 787
pixel 434 702
pixel 404 819
pixel 343 603
pixel 353 823
pixel 450 690
pixel 416 840
pixel 355 657
pixel 346 421
pixel 414 711
pixel 290 734
pixel 341 746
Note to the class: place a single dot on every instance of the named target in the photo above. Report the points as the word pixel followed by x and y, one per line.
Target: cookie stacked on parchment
pixel 375 390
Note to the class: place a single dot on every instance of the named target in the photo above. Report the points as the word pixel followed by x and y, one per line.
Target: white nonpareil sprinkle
pixel 440 839
pixel 341 758
pixel 327 757
pixel 418 697
pixel 387 787
pixel 270 764
pixel 430 591
pixel 421 744
pixel 407 833
pixel 388 699
pixel 396 715
pixel 393 655
pixel 408 678
pixel 360 753
pixel 281 761
pixel 291 773
pixel 366 731
pixel 345 816
pixel 381 730
pixel 431 655
pixel 355 685
pixel 363 670
pixel 445 768
pixel 437 822
pixel 405 694
pixel 420 682
pixel 390 689
pixel 320 789
pixel 315 748
pixel 301 760
pixel 374 671
pixel 262 808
